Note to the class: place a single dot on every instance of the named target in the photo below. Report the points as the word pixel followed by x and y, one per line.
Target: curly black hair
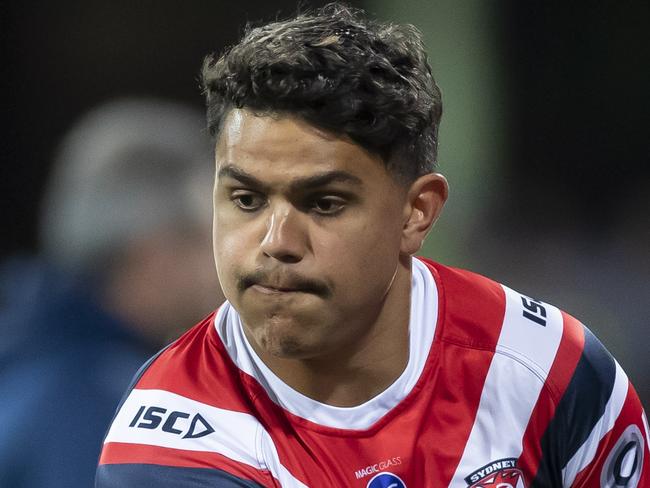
pixel 340 71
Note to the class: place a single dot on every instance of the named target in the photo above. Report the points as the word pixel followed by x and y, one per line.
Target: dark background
pixel 578 77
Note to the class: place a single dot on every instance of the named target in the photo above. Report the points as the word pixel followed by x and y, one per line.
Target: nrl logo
pixel 502 473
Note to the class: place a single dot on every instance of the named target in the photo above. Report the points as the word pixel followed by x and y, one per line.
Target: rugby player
pixel 339 358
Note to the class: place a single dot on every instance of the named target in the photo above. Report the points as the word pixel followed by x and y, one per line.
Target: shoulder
pixel 548 369
pixel 178 368
pixel 480 313
pixel 188 413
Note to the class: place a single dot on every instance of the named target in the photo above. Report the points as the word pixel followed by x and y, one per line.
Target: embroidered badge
pixel 502 473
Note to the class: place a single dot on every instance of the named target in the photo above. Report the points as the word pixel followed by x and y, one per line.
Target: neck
pixel 361 369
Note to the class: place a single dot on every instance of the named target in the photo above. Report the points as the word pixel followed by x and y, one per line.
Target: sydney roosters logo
pixel 502 473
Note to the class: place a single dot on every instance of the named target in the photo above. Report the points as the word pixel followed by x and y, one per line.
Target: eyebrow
pixel 307 183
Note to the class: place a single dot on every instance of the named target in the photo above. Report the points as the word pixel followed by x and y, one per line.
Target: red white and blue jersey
pixel 500 390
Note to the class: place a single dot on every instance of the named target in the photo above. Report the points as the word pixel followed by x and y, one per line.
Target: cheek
pixel 228 248
pixel 381 236
pixel 381 251
pixel 363 254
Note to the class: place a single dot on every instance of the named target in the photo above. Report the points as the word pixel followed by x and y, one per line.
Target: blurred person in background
pixel 126 258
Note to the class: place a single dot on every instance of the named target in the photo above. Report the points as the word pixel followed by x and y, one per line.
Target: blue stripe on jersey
pixel 156 476
pixel 580 408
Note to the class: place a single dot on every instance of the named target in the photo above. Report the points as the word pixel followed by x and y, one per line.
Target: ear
pixel 425 199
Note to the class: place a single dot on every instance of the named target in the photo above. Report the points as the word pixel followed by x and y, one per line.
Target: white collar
pixel 422 325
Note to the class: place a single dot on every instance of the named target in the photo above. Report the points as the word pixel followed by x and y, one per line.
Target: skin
pixel 313 239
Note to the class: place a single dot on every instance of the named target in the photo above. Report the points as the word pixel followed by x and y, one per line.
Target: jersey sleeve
pixel 599 434
pixel 621 456
pixel 163 439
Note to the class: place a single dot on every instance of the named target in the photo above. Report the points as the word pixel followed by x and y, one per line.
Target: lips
pixel 282 283
pixel 271 289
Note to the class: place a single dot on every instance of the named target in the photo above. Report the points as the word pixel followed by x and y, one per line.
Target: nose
pixel 285 238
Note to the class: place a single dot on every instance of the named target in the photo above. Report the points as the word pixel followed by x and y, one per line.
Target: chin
pixel 283 341
pixel 286 349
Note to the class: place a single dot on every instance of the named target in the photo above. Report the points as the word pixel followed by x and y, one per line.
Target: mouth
pixel 275 290
pixel 290 285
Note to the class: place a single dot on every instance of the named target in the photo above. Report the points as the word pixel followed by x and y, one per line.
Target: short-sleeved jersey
pixel 500 390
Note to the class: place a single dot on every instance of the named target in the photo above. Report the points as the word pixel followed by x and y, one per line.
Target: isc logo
pixel 174 422
pixel 534 310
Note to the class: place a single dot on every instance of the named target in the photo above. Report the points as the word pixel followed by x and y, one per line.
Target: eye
pixel 328 205
pixel 247 201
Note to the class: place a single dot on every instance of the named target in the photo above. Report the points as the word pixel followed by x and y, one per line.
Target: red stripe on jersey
pixel 472 309
pixel 198 371
pixel 590 476
pixel 126 453
pixel 559 377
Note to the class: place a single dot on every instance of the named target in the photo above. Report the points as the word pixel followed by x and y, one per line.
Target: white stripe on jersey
pixel 587 451
pixel 646 428
pixel 524 355
pixel 422 327
pixel 237 436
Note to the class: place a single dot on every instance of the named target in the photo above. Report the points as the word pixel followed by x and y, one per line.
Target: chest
pixel 439 436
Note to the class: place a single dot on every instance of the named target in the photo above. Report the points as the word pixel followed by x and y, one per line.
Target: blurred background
pixel 544 140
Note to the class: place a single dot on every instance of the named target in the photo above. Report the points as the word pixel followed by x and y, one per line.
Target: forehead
pixel 285 146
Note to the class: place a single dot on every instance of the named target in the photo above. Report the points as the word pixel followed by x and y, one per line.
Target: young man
pixel 340 360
